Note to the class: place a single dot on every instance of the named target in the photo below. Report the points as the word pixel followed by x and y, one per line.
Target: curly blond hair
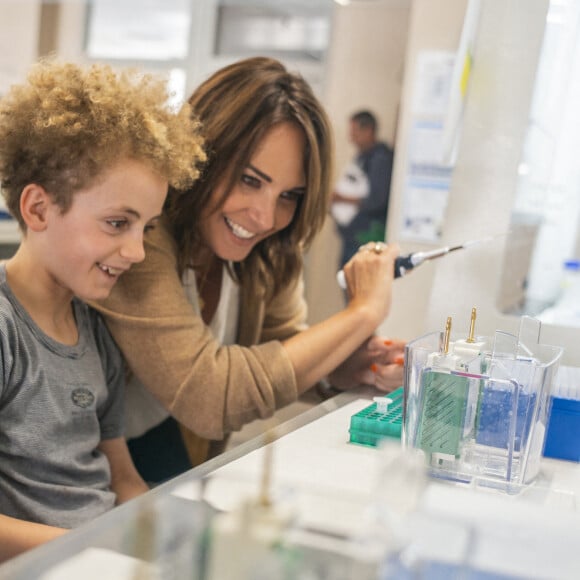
pixel 67 125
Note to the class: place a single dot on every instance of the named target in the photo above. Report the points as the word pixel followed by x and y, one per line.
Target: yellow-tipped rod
pixel 447 335
pixel 471 337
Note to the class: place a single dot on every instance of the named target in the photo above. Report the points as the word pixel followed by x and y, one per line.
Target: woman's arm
pixel 378 361
pixel 317 351
pixel 17 536
pixel 212 389
pixel 125 480
pixel 208 388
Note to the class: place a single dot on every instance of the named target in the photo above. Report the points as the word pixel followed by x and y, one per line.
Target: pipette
pixel 404 264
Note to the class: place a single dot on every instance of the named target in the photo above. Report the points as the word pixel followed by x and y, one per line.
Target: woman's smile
pixel 238 230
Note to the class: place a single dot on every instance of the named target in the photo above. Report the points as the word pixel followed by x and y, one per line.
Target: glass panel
pixel 300 31
pixel 153 30
pixel 544 225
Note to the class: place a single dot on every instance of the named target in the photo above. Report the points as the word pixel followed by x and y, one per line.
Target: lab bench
pixel 456 529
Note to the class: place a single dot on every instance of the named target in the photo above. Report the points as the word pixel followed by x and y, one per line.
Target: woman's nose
pixel 262 210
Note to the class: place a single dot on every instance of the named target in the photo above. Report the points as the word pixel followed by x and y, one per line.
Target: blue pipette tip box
pixel 563 434
pixel 369 427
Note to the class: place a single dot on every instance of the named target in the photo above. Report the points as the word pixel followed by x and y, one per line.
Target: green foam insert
pixel 368 427
pixel 443 412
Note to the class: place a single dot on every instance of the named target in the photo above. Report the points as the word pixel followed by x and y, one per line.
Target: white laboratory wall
pixel 19 35
pixel 18 39
pixel 433 26
pixel 364 69
pixel 70 30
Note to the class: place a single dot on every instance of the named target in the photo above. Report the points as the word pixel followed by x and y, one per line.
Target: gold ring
pixel 378 248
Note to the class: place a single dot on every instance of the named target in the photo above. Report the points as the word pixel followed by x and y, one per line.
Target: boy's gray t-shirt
pixel 57 403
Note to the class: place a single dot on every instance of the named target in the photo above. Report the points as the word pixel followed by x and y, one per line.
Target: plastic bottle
pixel 570 284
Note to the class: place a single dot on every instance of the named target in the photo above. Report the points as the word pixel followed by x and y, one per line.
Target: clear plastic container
pixel 483 417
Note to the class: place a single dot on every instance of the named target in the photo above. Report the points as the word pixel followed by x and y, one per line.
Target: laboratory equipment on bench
pixel 380 420
pixel 563 438
pixel 245 538
pixel 478 407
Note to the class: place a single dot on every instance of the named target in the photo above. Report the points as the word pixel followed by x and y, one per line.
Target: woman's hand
pixel 369 277
pixel 377 362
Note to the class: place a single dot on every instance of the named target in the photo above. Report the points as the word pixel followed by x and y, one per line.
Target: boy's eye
pixel 149 227
pixel 117 224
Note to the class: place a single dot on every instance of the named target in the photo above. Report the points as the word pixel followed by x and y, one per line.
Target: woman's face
pixel 265 198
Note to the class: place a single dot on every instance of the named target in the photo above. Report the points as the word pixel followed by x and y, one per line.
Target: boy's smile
pixel 101 235
pixel 113 272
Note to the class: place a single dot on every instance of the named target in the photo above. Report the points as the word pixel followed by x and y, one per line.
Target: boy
pixel 86 157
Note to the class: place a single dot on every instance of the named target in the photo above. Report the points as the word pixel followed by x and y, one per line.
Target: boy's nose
pixel 133 249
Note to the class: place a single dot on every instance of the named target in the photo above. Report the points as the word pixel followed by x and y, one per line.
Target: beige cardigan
pixel 210 389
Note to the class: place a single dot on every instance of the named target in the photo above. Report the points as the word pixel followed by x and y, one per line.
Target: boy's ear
pixel 34 205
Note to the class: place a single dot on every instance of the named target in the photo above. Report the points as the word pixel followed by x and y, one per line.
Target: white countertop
pixel 331 484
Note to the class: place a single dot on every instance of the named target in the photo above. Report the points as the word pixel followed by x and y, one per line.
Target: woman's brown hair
pixel 236 107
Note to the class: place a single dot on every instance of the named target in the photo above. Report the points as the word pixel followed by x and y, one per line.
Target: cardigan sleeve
pixel 209 388
pixel 285 315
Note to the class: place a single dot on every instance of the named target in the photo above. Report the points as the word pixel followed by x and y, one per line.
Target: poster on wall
pixel 440 91
pixel 427 184
pixel 428 176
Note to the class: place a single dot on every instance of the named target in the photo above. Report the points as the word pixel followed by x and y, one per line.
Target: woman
pixel 212 323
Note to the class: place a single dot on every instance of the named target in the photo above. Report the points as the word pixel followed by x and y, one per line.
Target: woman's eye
pixel 250 180
pixel 149 227
pixel 292 195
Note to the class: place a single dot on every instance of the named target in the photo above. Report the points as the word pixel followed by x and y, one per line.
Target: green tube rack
pixel 369 427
